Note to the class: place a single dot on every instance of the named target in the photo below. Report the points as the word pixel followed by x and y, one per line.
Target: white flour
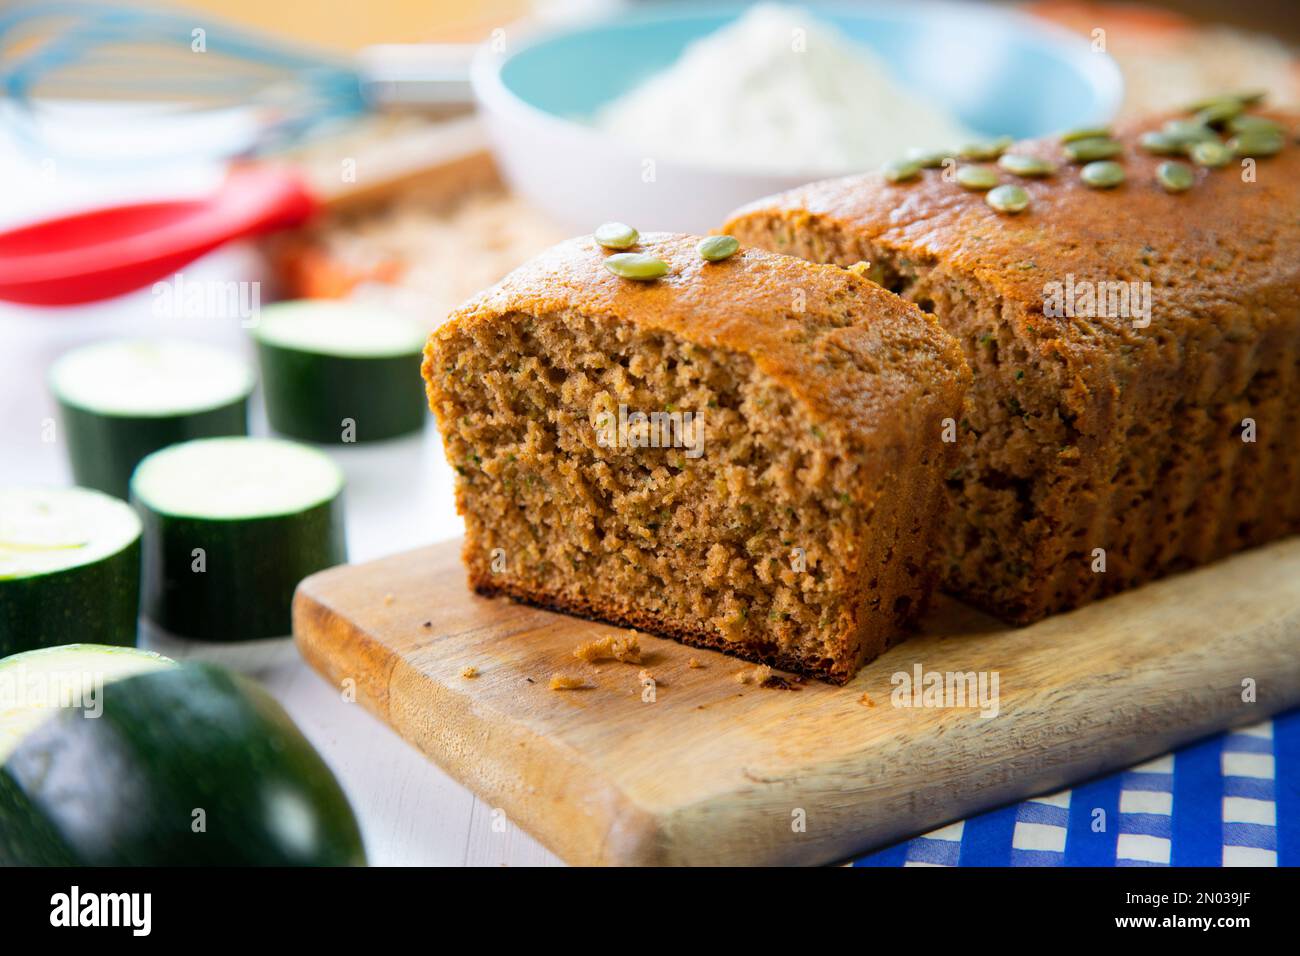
pixel 778 91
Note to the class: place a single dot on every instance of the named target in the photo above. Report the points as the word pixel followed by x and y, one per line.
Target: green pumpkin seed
pixel 1221 112
pixel 1162 144
pixel 717 248
pixel 930 158
pixel 1188 131
pixel 901 170
pixel 1212 154
pixel 636 265
pixel 990 149
pixel 1088 150
pixel 617 235
pixel 1102 175
pixel 1256 143
pixel 1087 132
pixel 1007 198
pixel 1175 177
pixel 1250 124
pixel 977 177
pixel 1248 98
pixel 1023 165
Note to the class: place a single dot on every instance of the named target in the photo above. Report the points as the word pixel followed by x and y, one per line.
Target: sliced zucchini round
pixel 121 400
pixel 231 525
pixel 118 757
pixel 339 372
pixel 69 568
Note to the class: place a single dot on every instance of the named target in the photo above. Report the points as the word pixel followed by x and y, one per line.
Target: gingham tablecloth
pixel 1230 800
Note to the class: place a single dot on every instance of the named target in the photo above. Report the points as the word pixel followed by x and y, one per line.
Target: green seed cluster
pixel 643 267
pixel 974 175
pixel 1215 131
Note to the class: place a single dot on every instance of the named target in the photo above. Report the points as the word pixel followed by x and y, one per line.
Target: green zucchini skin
pixel 96 603
pixel 122 789
pixel 104 449
pixel 308 394
pixel 253 566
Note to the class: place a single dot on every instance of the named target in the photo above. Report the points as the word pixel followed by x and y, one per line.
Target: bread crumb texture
pixel 469 672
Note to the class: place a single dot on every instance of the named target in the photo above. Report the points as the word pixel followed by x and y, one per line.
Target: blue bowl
pixel 996 71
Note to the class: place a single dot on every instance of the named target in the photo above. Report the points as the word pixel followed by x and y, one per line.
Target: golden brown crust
pixel 744 304
pixel 1186 244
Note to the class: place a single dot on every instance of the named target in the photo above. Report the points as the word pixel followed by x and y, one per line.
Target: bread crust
pixel 743 304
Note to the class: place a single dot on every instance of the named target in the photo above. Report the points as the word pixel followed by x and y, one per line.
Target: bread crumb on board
pixel 693 664
pixel 469 672
pixel 389 599
pixel 646 676
pixel 626 649
pixel 764 676
pixel 567 682
pixel 866 701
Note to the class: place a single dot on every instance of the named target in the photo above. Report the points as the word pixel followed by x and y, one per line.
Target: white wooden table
pixel 399 496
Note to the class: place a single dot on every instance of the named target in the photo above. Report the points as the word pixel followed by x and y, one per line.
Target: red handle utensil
pixel 108 252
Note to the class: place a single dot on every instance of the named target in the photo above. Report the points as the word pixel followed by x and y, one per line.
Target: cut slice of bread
pixel 746 455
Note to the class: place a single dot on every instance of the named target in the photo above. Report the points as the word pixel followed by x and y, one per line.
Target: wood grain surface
pixel 713 771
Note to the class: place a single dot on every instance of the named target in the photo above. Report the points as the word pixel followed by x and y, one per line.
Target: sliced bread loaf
pixel 745 455
pixel 1136 353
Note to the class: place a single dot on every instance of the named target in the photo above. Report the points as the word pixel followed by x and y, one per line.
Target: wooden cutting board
pixel 718 772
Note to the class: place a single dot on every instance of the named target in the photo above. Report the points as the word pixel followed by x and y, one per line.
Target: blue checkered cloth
pixel 1230 800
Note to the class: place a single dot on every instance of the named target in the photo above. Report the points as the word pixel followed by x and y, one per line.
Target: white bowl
pixel 996 71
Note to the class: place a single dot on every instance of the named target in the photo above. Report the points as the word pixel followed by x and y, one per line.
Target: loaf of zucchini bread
pixel 1136 353
pixel 744 454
